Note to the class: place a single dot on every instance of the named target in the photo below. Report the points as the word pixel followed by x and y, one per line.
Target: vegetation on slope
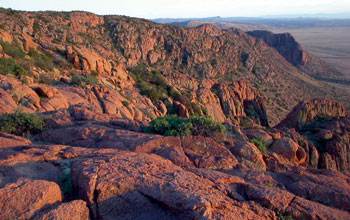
pixel 21 123
pixel 172 125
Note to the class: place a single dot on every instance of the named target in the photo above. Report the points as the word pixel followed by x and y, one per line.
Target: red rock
pixel 76 210
pixel 212 104
pixel 7 104
pixel 8 140
pixel 304 209
pixel 46 91
pixel 327 187
pixel 268 196
pixel 21 93
pixel 22 199
pixel 258 133
pixel 206 153
pixel 182 111
pixel 5 36
pixel 288 149
pixel 148 184
pixel 307 111
pixel 285 44
pixel 238 98
pixel 96 136
pixel 249 155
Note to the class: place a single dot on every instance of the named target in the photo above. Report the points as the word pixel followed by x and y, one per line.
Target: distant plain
pixel 331 44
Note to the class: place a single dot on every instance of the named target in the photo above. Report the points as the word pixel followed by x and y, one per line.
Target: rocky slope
pixel 112 45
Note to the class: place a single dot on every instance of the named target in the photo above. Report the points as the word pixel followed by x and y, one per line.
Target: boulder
pixel 8 140
pixel 288 149
pixel 21 200
pixel 76 210
pixel 259 133
pixel 249 155
pixel 7 104
pixel 142 186
pixel 206 153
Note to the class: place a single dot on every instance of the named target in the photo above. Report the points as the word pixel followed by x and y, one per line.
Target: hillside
pixel 112 45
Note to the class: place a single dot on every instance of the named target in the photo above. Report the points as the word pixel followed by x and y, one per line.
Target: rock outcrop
pixel 285 44
pixel 306 111
pixel 141 186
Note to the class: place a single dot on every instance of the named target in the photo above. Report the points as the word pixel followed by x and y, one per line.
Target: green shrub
pixel 21 123
pixel 13 50
pixel 151 83
pixel 259 143
pixel 83 81
pixel 125 103
pixel 205 125
pixel 284 216
pixel 245 121
pixel 41 60
pixel 172 125
pixel 10 66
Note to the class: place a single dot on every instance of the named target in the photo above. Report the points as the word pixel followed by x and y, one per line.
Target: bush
pixel 21 123
pixel 41 60
pixel 10 66
pixel 172 125
pixel 13 50
pixel 125 103
pixel 205 125
pixel 259 143
pixel 83 81
pixel 151 83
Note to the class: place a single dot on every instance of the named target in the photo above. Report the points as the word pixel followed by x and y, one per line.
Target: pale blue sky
pixel 185 8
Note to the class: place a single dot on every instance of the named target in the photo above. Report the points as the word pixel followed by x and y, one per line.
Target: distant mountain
pixel 286 22
pixel 317 16
pixel 224 25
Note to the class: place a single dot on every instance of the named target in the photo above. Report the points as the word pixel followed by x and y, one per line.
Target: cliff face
pixel 285 44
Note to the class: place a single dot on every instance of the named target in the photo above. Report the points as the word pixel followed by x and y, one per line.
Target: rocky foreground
pixel 99 166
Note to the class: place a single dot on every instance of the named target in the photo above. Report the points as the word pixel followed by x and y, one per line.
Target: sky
pixel 185 8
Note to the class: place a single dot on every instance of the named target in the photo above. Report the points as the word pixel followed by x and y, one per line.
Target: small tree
pixel 259 143
pixel 21 123
pixel 172 125
pixel 205 125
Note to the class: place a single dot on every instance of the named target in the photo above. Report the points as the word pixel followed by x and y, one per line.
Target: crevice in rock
pixel 291 201
pixel 99 99
pixel 95 211
pixel 182 146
